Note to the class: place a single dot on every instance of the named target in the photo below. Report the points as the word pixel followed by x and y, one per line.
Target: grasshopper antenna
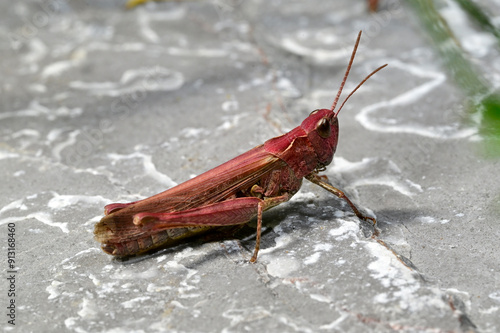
pixel 346 73
pixel 357 87
pixel 334 105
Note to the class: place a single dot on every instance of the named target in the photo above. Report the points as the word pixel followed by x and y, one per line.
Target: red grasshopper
pixel 232 193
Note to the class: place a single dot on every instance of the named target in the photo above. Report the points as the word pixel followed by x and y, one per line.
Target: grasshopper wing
pixel 120 236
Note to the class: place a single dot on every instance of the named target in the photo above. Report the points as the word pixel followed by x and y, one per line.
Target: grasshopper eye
pixel 323 128
pixel 313 112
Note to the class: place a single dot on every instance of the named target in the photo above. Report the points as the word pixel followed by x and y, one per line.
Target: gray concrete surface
pixel 100 105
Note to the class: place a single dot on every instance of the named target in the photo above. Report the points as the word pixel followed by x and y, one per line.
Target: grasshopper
pixel 234 192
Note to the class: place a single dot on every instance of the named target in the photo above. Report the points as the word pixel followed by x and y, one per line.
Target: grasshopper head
pixel 322 129
pixel 322 125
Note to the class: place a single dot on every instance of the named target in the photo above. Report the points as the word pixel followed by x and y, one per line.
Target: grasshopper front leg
pixel 225 213
pixel 314 178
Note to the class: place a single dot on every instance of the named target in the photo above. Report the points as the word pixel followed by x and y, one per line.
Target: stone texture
pixel 101 104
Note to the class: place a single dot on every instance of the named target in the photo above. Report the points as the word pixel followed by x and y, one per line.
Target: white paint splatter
pixel 320 298
pixel 63 201
pixel 281 266
pixel 281 242
pixel 57 68
pixel 88 309
pixel 52 289
pixel 366 116
pixel 399 281
pixel 318 248
pixel 17 204
pixel 238 316
pixel 19 173
pixel 230 121
pixel 323 247
pixel 135 80
pixel 303 196
pixel 375 171
pixel 155 174
pixel 144 19
pixel 5 155
pixel 191 132
pixel 312 259
pixel 315 54
pixel 132 274
pixel 71 140
pixel 43 217
pixel 231 105
pixel 335 323
pixel 145 29
pixel 387 268
pixel 390 181
pixel 148 165
pixel 430 219
pixel 26 132
pixel 133 302
pixel 35 109
pixel 426 219
pixel 153 288
pixel 346 230
pixel 37 50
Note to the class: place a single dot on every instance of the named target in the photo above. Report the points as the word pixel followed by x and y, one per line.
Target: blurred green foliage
pixel 477 89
